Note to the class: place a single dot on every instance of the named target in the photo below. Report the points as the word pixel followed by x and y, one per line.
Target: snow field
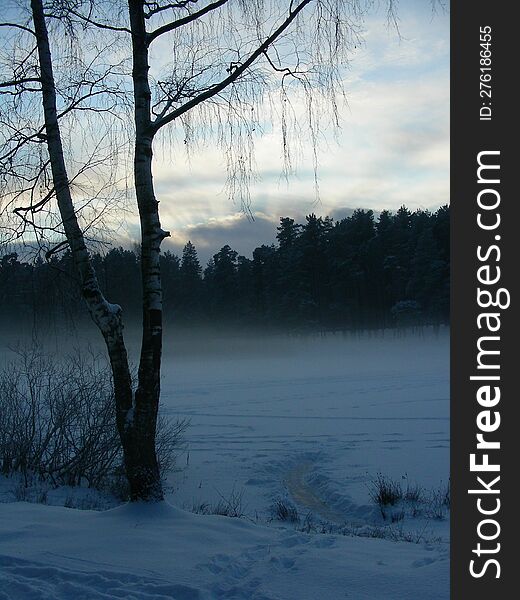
pixel 310 421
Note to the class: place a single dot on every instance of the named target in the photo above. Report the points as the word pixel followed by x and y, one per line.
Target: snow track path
pixel 302 493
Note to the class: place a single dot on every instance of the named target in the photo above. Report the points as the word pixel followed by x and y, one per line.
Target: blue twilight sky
pixel 393 147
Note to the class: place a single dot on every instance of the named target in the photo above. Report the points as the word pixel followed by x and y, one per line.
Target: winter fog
pixel 269 414
pixel 298 434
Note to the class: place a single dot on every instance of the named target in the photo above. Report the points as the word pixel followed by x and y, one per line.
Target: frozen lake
pixel 310 418
pixel 331 412
pixel 310 421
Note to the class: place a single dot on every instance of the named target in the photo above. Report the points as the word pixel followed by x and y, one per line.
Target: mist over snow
pixel 303 424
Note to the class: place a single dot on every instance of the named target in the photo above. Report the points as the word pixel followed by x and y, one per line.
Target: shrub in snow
pixel 284 510
pixel 385 491
pixel 57 423
pixel 230 506
pixel 397 502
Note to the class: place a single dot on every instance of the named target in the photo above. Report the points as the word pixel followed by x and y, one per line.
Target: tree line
pixel 323 274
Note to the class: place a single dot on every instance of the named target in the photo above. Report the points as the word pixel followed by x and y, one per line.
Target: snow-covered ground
pixel 163 553
pixel 309 421
pixel 333 412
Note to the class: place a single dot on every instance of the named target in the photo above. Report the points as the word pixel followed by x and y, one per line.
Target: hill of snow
pixel 160 552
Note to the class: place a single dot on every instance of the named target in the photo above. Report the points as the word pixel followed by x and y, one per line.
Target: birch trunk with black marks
pixel 136 416
pixel 148 389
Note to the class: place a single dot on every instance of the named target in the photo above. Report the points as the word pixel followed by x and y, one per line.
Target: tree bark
pixel 135 419
pixel 148 389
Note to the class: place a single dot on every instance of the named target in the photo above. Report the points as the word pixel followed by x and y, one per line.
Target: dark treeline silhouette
pixel 357 272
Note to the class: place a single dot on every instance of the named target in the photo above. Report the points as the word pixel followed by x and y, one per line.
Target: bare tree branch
pixel 154 8
pixel 90 21
pixel 18 82
pixel 17 26
pixel 235 73
pixel 184 20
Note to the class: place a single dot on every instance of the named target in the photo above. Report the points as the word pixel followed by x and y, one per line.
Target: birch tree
pixel 233 66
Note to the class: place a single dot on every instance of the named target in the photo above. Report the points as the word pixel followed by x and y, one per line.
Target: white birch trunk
pixel 144 481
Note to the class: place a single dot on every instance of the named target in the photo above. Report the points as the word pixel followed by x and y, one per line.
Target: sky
pixel 392 149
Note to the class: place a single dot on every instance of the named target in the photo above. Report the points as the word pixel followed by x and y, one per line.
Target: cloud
pixel 393 147
pixel 242 233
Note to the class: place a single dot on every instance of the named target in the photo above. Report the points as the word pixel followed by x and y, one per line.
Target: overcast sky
pixel 392 149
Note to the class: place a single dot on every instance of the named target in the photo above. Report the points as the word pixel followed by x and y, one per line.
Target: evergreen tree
pixel 172 289
pixel 288 232
pixel 264 274
pixel 190 282
pixel 190 265
pixel 224 283
pixel 313 272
